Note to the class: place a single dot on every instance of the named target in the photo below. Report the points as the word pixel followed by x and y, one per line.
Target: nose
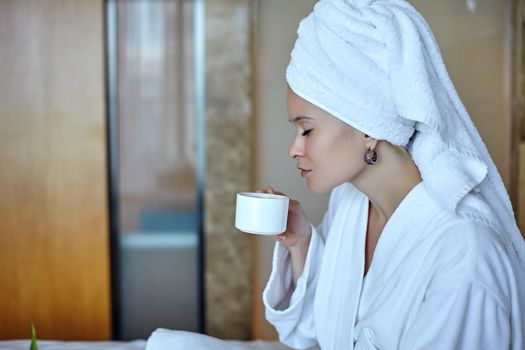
pixel 296 149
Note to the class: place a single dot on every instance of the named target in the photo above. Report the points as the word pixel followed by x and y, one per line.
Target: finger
pixel 275 192
pixel 280 237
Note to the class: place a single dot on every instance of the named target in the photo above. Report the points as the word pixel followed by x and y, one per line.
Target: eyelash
pixel 306 132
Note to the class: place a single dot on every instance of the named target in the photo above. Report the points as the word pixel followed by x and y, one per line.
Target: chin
pixel 322 187
pixel 318 188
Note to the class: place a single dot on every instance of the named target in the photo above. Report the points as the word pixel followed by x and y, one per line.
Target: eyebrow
pixel 298 119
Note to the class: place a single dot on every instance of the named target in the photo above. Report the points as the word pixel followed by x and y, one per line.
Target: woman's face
pixel 328 151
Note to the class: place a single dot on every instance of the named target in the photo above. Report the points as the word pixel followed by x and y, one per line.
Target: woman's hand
pixel 298 230
pixel 296 237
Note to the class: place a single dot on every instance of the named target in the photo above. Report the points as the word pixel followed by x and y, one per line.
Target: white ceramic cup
pixel 261 213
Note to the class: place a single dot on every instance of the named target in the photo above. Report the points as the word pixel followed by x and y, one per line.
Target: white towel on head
pixel 375 65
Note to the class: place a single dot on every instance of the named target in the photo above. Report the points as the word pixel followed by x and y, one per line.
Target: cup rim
pixel 261 195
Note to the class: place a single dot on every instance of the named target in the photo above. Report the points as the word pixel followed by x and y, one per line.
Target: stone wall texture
pixel 229 128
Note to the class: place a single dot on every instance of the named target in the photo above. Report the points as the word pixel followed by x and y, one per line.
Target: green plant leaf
pixel 34 344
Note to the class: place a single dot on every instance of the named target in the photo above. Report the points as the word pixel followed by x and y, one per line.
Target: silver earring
pixel 370 156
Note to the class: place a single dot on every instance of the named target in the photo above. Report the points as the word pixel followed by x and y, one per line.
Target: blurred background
pixel 127 127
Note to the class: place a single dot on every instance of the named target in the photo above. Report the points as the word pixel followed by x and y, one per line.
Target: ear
pixel 370 142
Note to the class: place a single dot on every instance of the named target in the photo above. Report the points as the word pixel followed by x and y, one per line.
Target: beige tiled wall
pixel 276 32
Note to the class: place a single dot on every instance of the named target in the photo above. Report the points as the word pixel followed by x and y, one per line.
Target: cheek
pixel 334 150
pixel 318 147
pixel 344 156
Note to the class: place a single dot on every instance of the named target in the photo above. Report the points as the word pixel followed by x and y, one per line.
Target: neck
pixel 388 182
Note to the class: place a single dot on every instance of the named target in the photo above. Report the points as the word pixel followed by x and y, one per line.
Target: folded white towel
pixel 164 339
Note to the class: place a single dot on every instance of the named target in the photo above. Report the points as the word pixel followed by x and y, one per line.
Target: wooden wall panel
pixel 54 256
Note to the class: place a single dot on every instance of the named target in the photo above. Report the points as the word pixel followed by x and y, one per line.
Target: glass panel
pixel 157 194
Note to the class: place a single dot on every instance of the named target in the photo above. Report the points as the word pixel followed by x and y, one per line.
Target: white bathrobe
pixel 436 281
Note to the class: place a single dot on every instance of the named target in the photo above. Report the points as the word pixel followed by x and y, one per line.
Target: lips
pixel 304 172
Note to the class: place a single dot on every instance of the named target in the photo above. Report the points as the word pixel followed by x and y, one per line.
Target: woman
pixel 419 248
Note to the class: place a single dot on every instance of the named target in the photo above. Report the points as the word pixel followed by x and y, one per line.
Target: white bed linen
pixel 186 339
pixel 73 345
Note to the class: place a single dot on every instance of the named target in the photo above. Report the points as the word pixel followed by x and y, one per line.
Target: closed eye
pixel 306 132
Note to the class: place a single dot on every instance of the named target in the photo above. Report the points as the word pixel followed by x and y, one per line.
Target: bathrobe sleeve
pixel 466 305
pixel 290 310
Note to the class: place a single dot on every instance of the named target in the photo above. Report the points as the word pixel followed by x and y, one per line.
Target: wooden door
pixel 54 256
